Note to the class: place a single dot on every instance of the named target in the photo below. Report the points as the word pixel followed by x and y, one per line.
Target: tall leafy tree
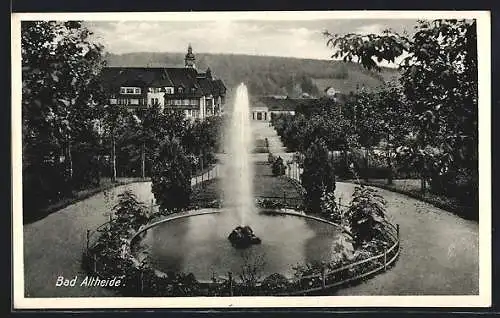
pixel 171 176
pixel 439 80
pixel 60 67
pixel 116 122
pixel 318 176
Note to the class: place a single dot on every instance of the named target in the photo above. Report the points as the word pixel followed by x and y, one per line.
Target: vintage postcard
pixel 251 159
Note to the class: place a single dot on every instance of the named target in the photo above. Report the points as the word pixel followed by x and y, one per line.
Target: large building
pixel 197 94
pixel 264 107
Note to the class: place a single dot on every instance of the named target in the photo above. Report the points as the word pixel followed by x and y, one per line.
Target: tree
pixel 278 167
pixel 116 123
pixel 60 70
pixel 171 177
pixel 202 139
pixel 366 215
pixel 148 132
pixel 318 176
pixel 439 80
pixel 378 116
pixel 60 67
pixel 130 214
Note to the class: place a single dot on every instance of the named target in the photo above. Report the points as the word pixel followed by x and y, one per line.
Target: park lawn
pixel 265 185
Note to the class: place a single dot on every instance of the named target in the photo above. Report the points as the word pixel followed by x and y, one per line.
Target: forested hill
pixel 266 75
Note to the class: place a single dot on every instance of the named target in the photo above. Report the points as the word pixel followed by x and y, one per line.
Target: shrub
pixel 329 208
pixel 278 167
pixel 171 177
pixel 270 204
pixel 130 213
pixel 274 283
pixel 366 215
pixel 270 158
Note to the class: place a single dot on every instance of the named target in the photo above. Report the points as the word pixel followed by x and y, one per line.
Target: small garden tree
pixel 278 167
pixel 171 177
pixel 329 207
pixel 366 215
pixel 129 212
pixel 318 176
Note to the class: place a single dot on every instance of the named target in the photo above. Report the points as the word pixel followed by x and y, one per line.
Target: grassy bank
pixel 411 188
pixel 106 184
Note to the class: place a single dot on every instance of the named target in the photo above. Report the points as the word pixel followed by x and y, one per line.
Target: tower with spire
pixel 189 59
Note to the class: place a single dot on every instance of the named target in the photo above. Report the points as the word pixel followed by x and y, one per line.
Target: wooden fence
pixel 349 273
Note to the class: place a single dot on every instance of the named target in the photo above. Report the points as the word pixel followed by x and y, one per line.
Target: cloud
pixel 303 39
pixel 370 29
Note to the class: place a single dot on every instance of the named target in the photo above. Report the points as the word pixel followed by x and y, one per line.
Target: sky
pixel 289 38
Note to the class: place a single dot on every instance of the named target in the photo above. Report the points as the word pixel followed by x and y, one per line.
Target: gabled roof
pixel 185 77
pixel 114 77
pixel 219 87
pixel 206 86
pixel 194 84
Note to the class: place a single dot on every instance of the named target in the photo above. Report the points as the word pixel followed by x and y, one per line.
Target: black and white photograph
pixel 251 159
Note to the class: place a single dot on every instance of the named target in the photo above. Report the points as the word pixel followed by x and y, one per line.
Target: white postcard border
pixel 484 82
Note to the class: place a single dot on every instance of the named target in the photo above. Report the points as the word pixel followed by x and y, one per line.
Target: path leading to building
pixel 262 130
pixel 54 245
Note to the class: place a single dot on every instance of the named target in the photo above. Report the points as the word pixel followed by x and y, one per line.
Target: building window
pixel 130 90
pixel 169 90
pixel 180 90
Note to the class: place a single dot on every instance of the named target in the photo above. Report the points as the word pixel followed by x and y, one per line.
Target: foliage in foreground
pixel 440 87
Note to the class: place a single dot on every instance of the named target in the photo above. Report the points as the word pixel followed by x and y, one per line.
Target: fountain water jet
pixel 237 183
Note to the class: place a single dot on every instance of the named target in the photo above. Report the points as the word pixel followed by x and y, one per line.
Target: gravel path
pixel 439 251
